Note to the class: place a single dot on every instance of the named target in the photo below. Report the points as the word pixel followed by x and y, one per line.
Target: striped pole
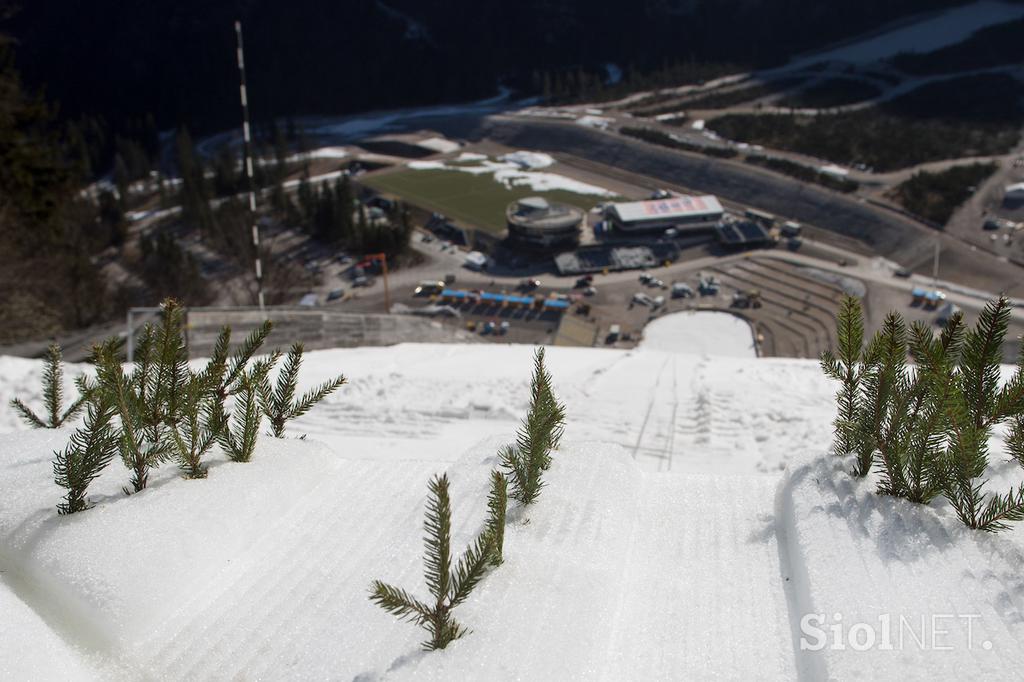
pixel 247 146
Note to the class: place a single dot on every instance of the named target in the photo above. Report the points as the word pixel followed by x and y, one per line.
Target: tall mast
pixel 247 147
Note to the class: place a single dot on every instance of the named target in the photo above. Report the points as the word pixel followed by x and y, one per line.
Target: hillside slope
pixel 668 543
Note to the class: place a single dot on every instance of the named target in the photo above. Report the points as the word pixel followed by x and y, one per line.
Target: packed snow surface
pixel 440 144
pixel 700 332
pixel 529 160
pixel 932 33
pixel 515 169
pixel 691 520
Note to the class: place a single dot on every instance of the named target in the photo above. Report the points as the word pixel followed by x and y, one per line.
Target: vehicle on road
pixel 642 299
pixel 682 290
pixel 528 285
pixel 335 294
pixel 613 334
pixel 708 286
pixel 429 288
pixel 590 291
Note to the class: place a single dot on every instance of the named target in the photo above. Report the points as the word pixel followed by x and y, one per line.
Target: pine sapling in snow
pixel 53 395
pixel 977 405
pixel 196 429
pixel 448 587
pixel 239 432
pixel 92 447
pixel 279 404
pixel 225 374
pixel 845 366
pixel 497 505
pixel 142 444
pixel 527 459
pixel 926 429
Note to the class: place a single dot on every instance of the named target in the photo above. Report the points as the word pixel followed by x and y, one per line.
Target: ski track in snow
pixel 668 581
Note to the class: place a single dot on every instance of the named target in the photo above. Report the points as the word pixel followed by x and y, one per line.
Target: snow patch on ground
pixel 700 333
pixel 440 144
pixel 515 169
pixel 591 121
pixel 528 160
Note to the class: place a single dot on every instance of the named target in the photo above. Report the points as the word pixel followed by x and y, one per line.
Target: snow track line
pixel 650 407
pixel 810 665
pixel 670 446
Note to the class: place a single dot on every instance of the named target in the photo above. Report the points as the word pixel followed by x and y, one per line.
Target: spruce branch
pixel 91 448
pixel 27 415
pixel 846 368
pixel 539 431
pixel 279 404
pixel 53 395
pixel 448 587
pixel 497 505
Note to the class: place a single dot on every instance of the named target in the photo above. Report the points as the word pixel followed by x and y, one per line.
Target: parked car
pixel 682 290
pixel 590 291
pixel 901 272
pixel 528 284
pixel 642 299
pixel 335 294
pixel 613 333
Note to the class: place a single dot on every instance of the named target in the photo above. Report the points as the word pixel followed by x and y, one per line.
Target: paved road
pixel 887 233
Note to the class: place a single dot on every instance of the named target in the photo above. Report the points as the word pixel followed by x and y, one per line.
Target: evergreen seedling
pixel 53 395
pixel 978 404
pixel 92 447
pixel 239 432
pixel 142 444
pixel 497 505
pixel 279 404
pixel 845 366
pixel 196 430
pixel 530 456
pixel 448 587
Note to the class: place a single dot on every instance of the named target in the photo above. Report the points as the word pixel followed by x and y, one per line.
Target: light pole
pixel 247 147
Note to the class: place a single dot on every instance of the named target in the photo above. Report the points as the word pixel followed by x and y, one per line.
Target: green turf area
pixel 475 200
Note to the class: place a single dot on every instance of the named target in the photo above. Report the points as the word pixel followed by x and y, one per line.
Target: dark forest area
pixel 133 67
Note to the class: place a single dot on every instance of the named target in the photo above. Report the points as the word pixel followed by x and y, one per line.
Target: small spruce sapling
pixel 142 444
pixel 92 447
pixel 196 430
pixel 279 403
pixel 448 587
pixel 978 404
pixel 53 395
pixel 497 505
pixel 527 459
pixel 239 432
pixel 845 365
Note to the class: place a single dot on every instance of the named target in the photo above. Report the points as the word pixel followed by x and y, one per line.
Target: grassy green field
pixel 475 200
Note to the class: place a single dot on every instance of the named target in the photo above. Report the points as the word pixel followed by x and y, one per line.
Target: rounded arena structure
pixel 539 223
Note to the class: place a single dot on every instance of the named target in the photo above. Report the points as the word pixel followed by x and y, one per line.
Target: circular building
pixel 539 223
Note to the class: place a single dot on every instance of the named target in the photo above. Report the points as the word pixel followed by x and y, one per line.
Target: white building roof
pixel 672 207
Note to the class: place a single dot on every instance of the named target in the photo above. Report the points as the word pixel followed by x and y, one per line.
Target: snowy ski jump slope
pixel 690 521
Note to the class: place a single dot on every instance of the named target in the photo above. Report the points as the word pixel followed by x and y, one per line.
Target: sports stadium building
pixel 684 213
pixel 539 223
